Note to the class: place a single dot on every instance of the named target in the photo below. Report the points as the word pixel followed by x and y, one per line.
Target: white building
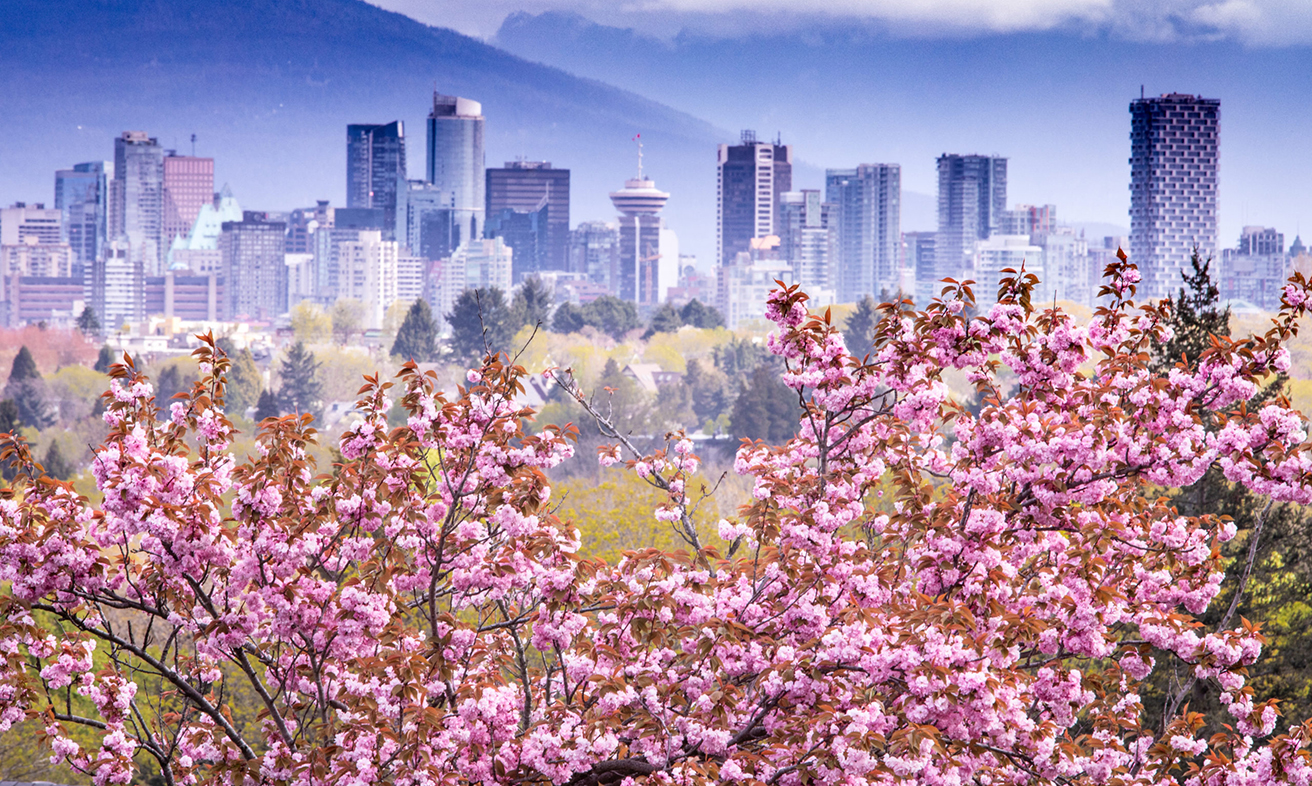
pixel 999 253
pixel 481 264
pixel 745 286
pixel 410 277
pixel 368 273
pixel 1066 274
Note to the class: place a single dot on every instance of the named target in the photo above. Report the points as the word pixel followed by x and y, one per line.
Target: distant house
pixel 650 376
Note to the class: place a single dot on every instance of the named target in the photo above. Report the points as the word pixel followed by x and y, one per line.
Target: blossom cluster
pixel 916 591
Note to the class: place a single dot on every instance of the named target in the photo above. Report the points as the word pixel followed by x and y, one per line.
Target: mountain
pixel 268 87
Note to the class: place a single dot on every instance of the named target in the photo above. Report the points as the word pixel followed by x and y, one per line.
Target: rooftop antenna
pixel 1140 92
pixel 193 145
pixel 638 138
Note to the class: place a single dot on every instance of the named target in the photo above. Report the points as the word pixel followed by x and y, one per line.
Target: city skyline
pixel 1050 100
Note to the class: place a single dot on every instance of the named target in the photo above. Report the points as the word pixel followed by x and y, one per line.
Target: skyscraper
pixel 648 253
pixel 255 272
pixel 375 169
pixel 594 253
pixel 136 205
pixel 806 239
pixel 455 162
pixel 1174 156
pixel 529 187
pixel 868 200
pixel 82 197
pixel 751 175
pixel 188 186
pixel 972 193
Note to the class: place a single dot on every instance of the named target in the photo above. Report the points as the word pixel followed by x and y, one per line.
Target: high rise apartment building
pixel 972 195
pixel 136 204
pixel 456 165
pixel 868 202
pixel 1027 220
pixel 529 187
pixel 918 254
pixel 375 169
pixel 594 253
pixel 188 186
pixel 82 198
pixel 750 178
pixel 254 268
pixel 30 224
pixel 368 273
pixel 806 239
pixel 1174 157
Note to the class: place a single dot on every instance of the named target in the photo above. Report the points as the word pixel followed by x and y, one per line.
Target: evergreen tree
pixel 267 407
pixel 24 366
pixel 56 466
pixel 1196 316
pixel 699 315
pixel 9 420
pixel 173 379
pixel 859 331
pixel 302 390
pixel 1281 579
pixel 28 392
pixel 88 322
pixel 739 356
pixel 665 319
pixel 417 337
pixel 532 303
pixel 104 360
pixel 611 316
pixel 480 323
pixel 709 389
pixel 245 384
pixel 766 408
pixel 568 319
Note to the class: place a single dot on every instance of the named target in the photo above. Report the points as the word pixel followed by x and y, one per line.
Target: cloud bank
pixel 1249 22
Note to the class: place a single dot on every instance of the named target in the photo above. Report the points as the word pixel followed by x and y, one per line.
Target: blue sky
pixel 1045 82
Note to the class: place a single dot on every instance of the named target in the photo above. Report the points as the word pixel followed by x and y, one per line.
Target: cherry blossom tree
pixel 914 594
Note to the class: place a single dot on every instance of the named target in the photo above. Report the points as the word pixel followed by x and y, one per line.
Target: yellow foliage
pixel 616 515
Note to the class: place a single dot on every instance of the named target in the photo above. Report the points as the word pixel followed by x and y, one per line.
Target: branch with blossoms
pixel 421 615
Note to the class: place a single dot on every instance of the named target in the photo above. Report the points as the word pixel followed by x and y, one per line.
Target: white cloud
pixel 1251 22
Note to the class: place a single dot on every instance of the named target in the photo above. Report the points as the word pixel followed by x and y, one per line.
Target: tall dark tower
pixel 751 178
pixel 375 165
pixel 516 194
pixel 1174 159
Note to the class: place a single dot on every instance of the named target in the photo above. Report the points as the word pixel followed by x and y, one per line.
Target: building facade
pixel 375 169
pixel 868 201
pixel 254 270
pixel 594 253
pixel 456 165
pixel 368 273
pixel 136 204
pixel 972 194
pixel 531 187
pixel 648 256
pixel 188 186
pixel 750 177
pixel 918 254
pixel 807 235
pixel 1174 159
pixel 82 197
